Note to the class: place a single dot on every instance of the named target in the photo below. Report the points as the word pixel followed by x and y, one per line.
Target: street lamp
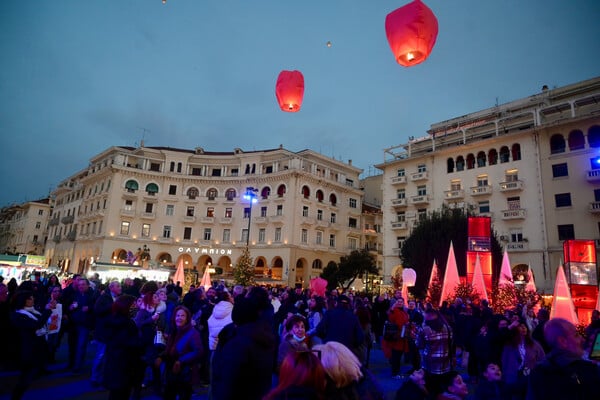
pixel 251 196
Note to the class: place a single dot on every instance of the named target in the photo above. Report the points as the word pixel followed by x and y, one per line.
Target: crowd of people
pixel 287 343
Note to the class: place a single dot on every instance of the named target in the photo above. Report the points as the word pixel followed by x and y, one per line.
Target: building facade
pixel 24 227
pixel 157 206
pixel 529 164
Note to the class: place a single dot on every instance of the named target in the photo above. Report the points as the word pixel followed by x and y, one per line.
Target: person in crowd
pixel 492 387
pixel 394 347
pixel 146 320
pixel 68 298
pixel 219 318
pixel 82 316
pixel 30 325
pixel 519 356
pixel 347 380
pixel 245 351
pixel 564 374
pixel 54 322
pixel 316 306
pixel 453 387
pixel 381 305
pixel 51 283
pixel 592 328
pixel 102 312
pixel 301 377
pixel 341 325
pixel 413 387
pixel 435 340
pixel 183 351
pixel 123 350
pixel 295 338
pixel 363 313
pixel 7 332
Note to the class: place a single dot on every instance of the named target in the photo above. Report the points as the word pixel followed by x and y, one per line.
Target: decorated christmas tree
pixel 243 273
pixel 434 291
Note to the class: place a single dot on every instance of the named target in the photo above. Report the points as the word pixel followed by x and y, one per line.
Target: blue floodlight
pixel 596 160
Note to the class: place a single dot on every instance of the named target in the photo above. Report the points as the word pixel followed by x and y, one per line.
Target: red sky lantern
pixel 290 90
pixel 411 32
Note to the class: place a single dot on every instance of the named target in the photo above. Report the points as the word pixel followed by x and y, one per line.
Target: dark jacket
pixel 341 325
pixel 78 315
pixel 244 354
pixel 33 347
pixel 562 376
pixel 185 347
pixel 102 311
pixel 123 353
pixel 410 391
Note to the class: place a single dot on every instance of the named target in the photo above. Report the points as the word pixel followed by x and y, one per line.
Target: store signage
pixel 205 250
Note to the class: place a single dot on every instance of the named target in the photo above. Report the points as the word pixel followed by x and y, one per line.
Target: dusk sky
pixel 78 77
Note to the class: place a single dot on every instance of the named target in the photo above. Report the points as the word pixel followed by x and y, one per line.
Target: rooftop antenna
pixel 144 131
pixel 496 101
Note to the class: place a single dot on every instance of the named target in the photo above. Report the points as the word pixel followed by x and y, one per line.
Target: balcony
pixel 71 236
pixel 54 221
pixel 398 180
pixel 511 186
pixel 322 223
pixel 207 220
pixel 517 246
pixel 127 212
pixel 56 239
pixel 68 219
pixel 260 220
pixel 399 202
pixel 226 220
pixel 481 190
pixel 307 221
pixel 519 213
pixel 188 218
pixel 167 240
pixel 419 176
pixel 424 199
pixel 148 215
pixel 593 175
pixel 595 207
pixel 276 218
pixel 454 194
pixel 399 225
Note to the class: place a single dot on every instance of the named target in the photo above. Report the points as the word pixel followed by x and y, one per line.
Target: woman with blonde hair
pixel 347 380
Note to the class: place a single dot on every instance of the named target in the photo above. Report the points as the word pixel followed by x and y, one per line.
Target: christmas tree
pixel 243 273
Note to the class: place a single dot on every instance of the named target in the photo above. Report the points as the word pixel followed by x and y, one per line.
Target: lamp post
pixel 251 196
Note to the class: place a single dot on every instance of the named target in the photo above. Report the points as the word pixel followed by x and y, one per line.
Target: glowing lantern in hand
pixel 411 32
pixel 290 90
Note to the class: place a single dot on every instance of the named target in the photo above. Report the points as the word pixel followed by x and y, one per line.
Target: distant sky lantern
pixel 411 32
pixel 290 90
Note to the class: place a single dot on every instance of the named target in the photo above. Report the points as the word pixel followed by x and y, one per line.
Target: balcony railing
pixel 595 207
pixel 207 220
pixel 419 176
pixel 455 194
pixel 226 220
pixel 397 180
pixel 127 212
pixel 481 190
pixel 148 215
pixel 399 202
pixel 189 218
pixel 54 221
pixel 511 186
pixel 593 175
pixel 71 236
pixel 519 213
pixel 398 224
pixel 423 199
pixel 517 246
pixel 68 219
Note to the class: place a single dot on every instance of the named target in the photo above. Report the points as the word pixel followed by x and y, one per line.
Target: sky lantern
pixel 451 278
pixel 409 278
pixel 290 90
pixel 411 31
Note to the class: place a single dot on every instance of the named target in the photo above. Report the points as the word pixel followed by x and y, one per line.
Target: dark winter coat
pixel 123 353
pixel 102 312
pixel 33 348
pixel 341 325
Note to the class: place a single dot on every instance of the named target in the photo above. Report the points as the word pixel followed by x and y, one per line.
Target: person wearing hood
pixel 219 318
pixel 564 374
pixel 181 356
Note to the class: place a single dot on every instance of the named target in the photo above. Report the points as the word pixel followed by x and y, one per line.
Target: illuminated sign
pixel 204 250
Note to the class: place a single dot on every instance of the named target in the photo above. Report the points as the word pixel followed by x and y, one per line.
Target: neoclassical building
pixel 154 207
pixel 530 164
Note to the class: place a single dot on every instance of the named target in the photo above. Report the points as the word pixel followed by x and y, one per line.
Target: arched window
pixel 333 199
pixel 450 165
pixel 281 190
pixel 278 263
pixel 516 152
pixel 320 196
pixel 481 159
pixel 260 263
pixel 317 264
pixel 460 163
pixel 230 194
pixel 557 144
pixel 152 189
pixel 576 140
pixel 131 186
pixel 594 136
pixel 493 157
pixel 212 193
pixel 192 193
pixel 470 161
pixel 305 192
pixel 265 192
pixel 504 154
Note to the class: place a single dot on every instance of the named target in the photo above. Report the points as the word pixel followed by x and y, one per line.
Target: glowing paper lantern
pixel 411 31
pixel 451 278
pixel 290 90
pixel 409 276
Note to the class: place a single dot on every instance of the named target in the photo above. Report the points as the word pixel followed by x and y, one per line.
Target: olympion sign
pixel 203 250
